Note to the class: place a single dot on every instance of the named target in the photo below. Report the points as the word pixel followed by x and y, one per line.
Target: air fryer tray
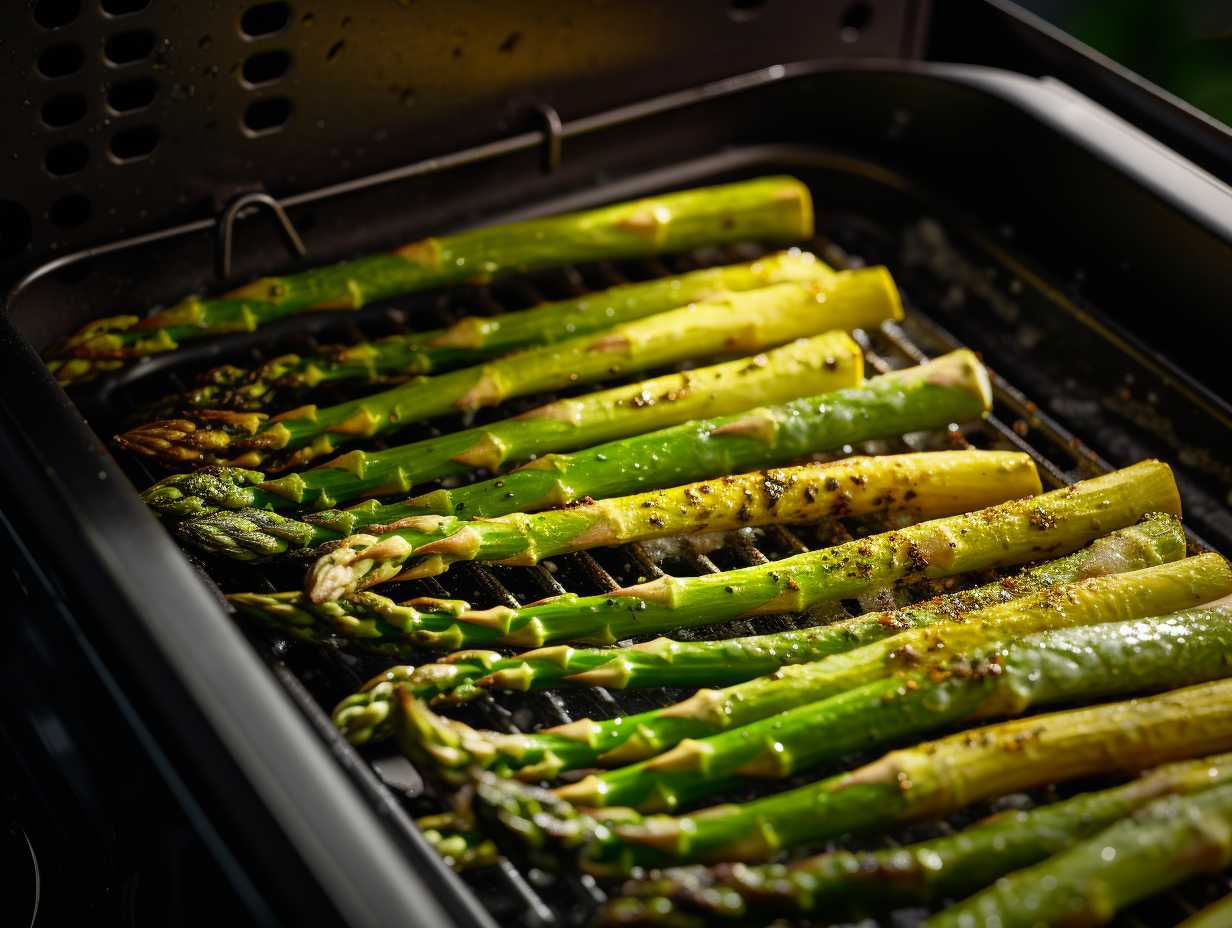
pixel 1073 389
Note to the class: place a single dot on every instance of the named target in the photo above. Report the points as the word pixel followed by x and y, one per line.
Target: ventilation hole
pixel 60 60
pixel 132 95
pixel 69 211
pixel 15 228
pixel 67 158
pixel 855 20
pixel 124 7
pixel 267 115
pixel 131 144
pixel 266 67
pixel 127 47
pixel 265 19
pixel 52 14
pixel 744 10
pixel 64 109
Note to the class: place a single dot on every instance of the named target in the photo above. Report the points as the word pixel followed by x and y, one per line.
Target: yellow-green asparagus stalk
pixel 776 209
pixel 927 485
pixel 1143 854
pixel 283 381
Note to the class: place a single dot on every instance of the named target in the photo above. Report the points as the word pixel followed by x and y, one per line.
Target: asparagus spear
pixel 737 323
pixel 475 338
pixel 846 885
pixel 978 677
pixel 1011 533
pixel 1216 915
pixel 770 208
pixel 364 716
pixel 927 485
pixel 930 779
pixel 823 362
pixel 952 388
pixel 759 713
pixel 1145 853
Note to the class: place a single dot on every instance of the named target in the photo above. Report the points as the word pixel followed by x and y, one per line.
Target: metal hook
pixel 553 132
pixel 224 230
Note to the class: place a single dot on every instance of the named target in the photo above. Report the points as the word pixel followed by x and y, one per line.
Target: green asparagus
pixel 828 361
pixel 927 485
pixel 979 677
pixel 461 676
pixel 953 388
pixel 844 885
pixel 928 780
pixel 777 209
pixel 736 324
pixel 282 381
pixel 747 717
pixel 1000 536
pixel 1145 853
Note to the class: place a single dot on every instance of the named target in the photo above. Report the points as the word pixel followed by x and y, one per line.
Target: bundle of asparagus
pixel 285 379
pixel 925 485
pixel 464 675
pixel 1048 525
pixel 829 361
pixel 930 779
pixel 844 885
pixel 774 209
pixel 909 683
pixel 736 324
pixel 949 390
pixel 1158 847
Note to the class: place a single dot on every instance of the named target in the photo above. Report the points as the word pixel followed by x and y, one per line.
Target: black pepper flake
pixel 773 486
pixel 1041 519
pixel 831 484
pixel 915 557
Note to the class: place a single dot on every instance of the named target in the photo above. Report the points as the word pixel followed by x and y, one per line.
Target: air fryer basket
pixel 1009 242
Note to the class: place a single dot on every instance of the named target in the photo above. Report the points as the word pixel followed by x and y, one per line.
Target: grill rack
pixel 316 677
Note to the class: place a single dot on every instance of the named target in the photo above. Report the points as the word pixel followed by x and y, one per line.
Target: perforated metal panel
pixel 124 116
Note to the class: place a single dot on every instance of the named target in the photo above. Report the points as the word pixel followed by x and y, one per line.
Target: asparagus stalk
pixel 823 362
pixel 979 677
pixel 775 209
pixel 931 779
pixel 1049 525
pixel 927 485
pixel 953 388
pixel 364 716
pixel 738 723
pixel 735 324
pixel 1170 840
pixel 846 885
pixel 1216 915
pixel 461 849
pixel 284 380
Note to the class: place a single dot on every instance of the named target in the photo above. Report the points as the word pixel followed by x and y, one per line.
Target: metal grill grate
pixel 317 678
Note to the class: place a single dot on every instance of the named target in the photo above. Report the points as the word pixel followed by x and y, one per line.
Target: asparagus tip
pixel 201 437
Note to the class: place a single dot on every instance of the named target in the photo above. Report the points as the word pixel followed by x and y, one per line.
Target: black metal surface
pixel 120 123
pixel 251 729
